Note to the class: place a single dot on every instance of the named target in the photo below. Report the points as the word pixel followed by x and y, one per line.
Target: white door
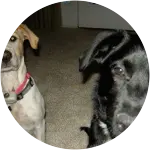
pixel 95 16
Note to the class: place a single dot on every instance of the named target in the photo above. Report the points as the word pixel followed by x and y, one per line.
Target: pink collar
pixel 22 85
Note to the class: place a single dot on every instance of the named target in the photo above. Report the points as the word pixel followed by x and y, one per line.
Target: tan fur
pixel 29 35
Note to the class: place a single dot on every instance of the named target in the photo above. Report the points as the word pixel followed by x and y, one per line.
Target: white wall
pixel 96 16
pixel 89 15
pixel 69 14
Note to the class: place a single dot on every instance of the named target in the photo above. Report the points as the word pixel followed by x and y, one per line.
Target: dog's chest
pixel 26 111
pixel 21 116
pixel 29 110
pixel 9 81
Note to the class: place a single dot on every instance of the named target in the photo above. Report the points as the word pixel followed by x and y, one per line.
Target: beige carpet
pixel 68 101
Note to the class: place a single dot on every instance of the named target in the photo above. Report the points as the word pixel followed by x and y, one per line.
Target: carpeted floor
pixel 68 101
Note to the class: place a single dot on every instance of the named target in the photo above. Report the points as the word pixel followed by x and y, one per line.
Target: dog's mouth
pixel 5 67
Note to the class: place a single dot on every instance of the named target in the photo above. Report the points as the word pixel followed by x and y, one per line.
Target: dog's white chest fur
pixel 29 110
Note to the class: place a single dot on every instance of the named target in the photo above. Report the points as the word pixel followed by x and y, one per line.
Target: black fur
pixel 120 59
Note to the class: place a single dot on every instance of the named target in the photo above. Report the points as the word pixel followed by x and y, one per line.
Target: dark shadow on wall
pixel 46 18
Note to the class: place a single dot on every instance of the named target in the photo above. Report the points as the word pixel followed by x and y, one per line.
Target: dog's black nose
pixel 7 56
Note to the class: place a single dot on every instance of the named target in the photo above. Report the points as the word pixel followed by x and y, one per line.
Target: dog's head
pixel 121 61
pixel 14 50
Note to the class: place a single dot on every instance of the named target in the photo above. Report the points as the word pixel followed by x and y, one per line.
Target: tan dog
pixel 20 91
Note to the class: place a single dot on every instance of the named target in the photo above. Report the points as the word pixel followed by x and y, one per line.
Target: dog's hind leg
pixel 40 131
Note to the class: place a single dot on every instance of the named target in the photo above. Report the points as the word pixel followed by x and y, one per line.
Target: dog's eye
pixel 13 39
pixel 118 70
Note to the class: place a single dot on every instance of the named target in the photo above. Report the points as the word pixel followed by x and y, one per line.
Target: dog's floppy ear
pixel 102 49
pixel 29 35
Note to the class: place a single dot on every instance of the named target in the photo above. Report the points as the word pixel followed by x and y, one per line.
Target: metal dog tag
pixel 10 98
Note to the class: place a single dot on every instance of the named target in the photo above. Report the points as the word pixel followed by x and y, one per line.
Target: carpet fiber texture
pixel 68 101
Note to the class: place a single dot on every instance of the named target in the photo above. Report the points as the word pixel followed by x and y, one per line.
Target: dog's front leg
pixel 40 131
pixel 94 133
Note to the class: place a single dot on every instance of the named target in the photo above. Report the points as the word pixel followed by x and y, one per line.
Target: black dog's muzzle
pixel 6 57
pixel 123 122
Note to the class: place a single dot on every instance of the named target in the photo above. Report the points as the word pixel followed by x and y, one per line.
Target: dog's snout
pixel 7 56
pixel 123 121
pixel 121 127
pixel 120 124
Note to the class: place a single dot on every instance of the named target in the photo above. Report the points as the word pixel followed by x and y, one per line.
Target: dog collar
pixel 19 93
pixel 22 85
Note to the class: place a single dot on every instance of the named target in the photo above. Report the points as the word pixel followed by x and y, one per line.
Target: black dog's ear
pixel 101 50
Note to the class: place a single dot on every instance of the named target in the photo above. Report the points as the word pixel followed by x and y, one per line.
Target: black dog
pixel 120 59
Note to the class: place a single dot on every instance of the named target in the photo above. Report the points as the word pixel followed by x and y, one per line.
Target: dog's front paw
pixel 83 128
